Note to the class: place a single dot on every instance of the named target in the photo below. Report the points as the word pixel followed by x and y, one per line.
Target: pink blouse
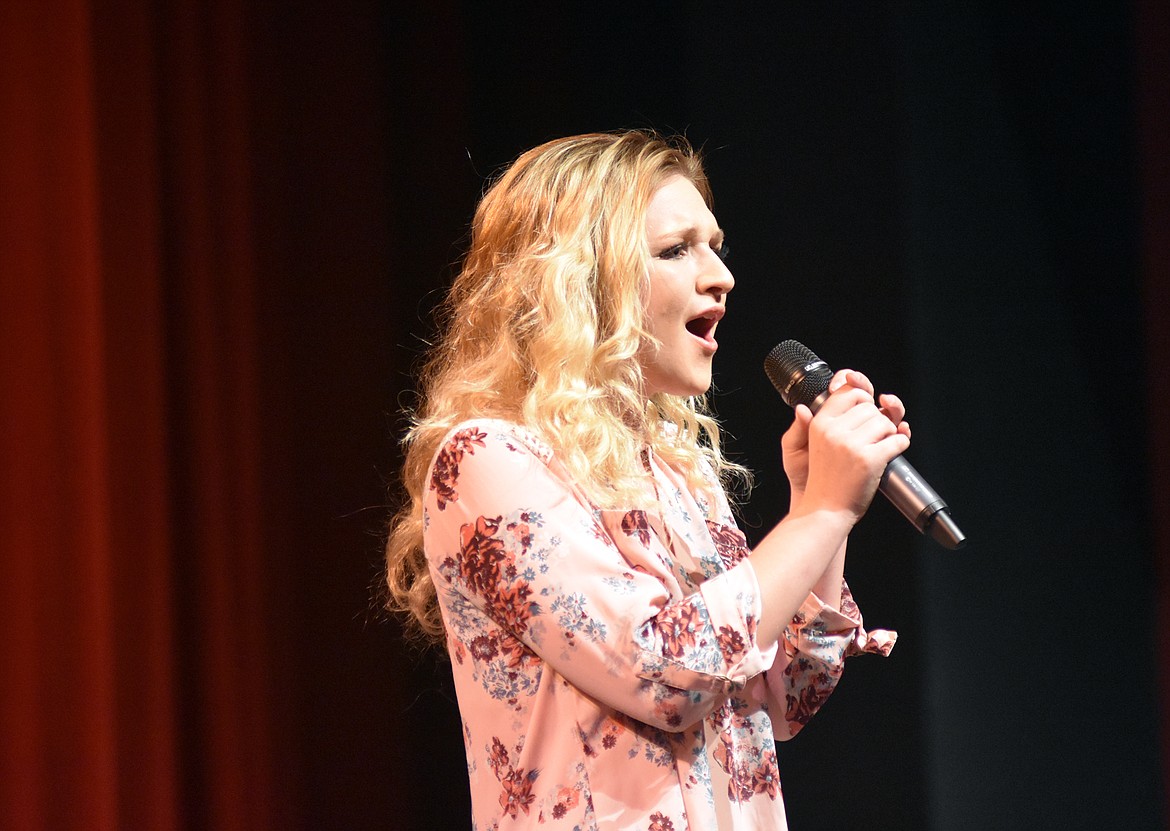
pixel 606 662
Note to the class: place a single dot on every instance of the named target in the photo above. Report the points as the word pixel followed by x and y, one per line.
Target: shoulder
pixel 494 435
pixel 486 455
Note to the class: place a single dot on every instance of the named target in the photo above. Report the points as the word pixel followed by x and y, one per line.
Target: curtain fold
pixel 136 674
pixel 183 187
pixel 59 683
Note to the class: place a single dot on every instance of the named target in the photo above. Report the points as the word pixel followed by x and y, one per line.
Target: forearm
pixel 805 552
pixel 828 585
pixel 853 431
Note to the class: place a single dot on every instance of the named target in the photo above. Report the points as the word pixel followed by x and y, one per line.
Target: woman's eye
pixel 674 252
pixel 723 250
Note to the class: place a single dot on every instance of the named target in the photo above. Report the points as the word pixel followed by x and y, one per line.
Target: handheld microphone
pixel 803 378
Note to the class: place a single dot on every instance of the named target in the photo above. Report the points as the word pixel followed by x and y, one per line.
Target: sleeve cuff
pixel 833 634
pixel 734 604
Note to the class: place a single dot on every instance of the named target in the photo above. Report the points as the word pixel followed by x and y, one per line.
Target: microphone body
pixel 803 378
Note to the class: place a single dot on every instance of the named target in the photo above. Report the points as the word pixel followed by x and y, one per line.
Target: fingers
pixel 847 446
pixel 850 377
pixel 895 411
pixel 845 400
pixel 895 444
pixel 867 421
pixel 851 415
pixel 890 405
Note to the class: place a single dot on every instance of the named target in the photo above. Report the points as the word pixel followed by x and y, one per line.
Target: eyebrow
pixel 690 232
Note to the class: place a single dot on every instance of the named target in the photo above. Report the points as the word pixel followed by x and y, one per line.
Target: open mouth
pixel 702 327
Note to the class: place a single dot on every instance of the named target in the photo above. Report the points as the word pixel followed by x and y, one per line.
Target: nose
pixel 716 278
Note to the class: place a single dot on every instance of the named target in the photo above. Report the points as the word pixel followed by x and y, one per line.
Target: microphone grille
pixel 797 373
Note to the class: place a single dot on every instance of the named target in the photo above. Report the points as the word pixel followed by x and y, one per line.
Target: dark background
pixel 946 196
pixel 233 218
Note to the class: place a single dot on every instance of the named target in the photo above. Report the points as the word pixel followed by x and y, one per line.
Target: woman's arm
pixel 795 453
pixel 834 462
pixel 524 566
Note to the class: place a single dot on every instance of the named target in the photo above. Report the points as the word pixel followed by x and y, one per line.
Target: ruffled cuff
pixel 833 634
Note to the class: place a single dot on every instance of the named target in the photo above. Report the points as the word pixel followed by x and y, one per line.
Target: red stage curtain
pixel 145 625
pixel 137 668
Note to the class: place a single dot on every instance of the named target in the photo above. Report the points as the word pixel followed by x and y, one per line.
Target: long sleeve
pixel 592 593
pixel 606 662
pixel 816 644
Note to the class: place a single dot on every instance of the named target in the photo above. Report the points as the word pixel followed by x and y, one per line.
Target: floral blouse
pixel 606 662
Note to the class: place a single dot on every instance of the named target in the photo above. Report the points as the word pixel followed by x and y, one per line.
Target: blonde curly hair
pixel 543 326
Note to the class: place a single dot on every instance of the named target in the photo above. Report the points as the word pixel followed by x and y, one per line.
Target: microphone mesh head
pixel 797 373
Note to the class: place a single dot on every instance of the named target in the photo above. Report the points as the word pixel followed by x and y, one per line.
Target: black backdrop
pixel 943 195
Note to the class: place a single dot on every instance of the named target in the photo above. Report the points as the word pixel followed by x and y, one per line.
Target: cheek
pixel 660 320
pixel 666 303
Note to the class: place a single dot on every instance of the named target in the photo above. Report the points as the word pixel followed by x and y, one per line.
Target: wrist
pixel 833 519
pixel 796 489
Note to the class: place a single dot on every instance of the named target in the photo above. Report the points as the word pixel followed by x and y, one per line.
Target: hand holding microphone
pixel 847 446
pixel 851 415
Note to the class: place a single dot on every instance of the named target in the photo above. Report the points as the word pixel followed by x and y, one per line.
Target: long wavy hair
pixel 543 326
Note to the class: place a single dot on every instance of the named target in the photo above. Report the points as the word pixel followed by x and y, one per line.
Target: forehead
pixel 677 204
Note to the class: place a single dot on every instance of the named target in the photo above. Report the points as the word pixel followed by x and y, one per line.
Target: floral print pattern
pixel 516 791
pixel 606 662
pixel 729 542
pixel 445 470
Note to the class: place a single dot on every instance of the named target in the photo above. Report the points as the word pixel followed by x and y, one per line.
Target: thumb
pixel 796 436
